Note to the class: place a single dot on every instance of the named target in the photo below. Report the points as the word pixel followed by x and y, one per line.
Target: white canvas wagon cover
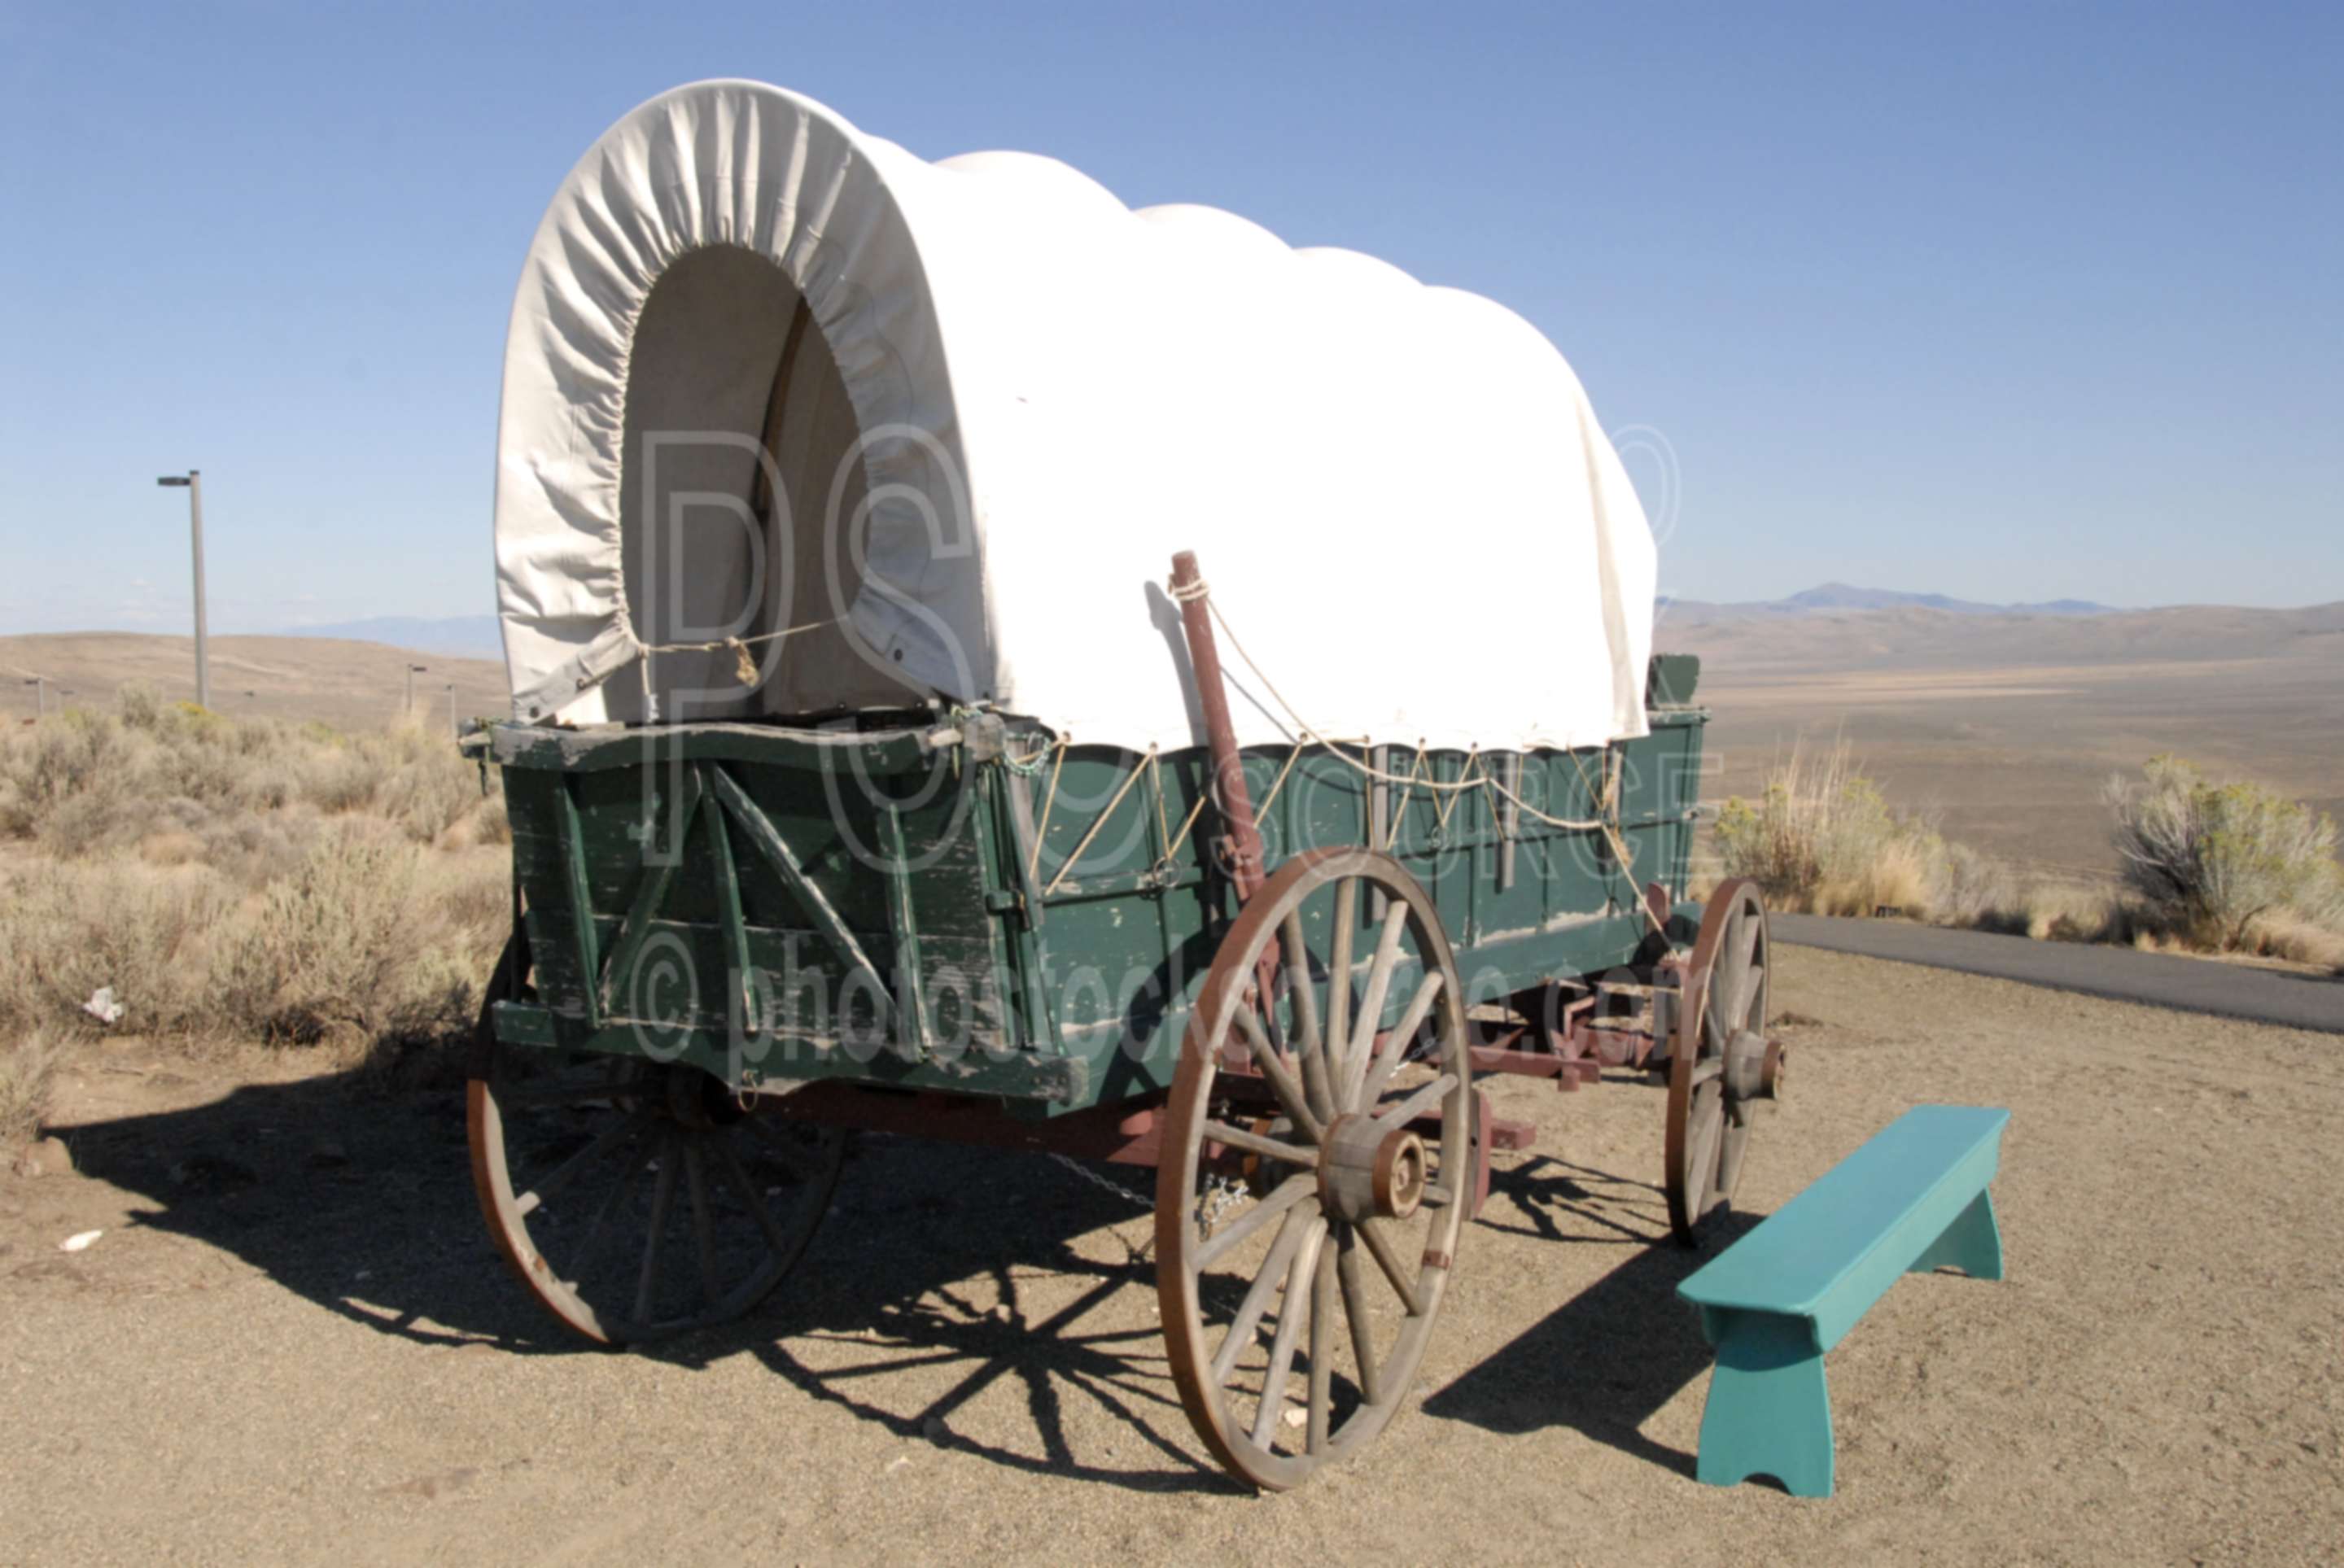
pixel 895 430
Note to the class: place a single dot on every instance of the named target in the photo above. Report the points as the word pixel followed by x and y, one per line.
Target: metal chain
pixel 1221 1194
pixel 1145 1200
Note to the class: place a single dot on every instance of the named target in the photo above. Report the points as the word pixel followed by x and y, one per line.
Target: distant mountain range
pixel 469 636
pixel 1835 598
pixel 477 636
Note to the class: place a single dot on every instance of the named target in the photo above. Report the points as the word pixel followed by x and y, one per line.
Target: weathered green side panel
pixel 1063 910
pixel 895 861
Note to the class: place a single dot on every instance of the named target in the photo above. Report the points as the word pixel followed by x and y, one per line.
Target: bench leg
pixel 1769 1412
pixel 1971 1244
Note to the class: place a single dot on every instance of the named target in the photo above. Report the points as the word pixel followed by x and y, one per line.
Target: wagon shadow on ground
pixel 1607 1359
pixel 944 1274
pixel 363 1204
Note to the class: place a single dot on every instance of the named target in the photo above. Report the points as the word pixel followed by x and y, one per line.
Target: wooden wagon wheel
pixel 636 1200
pixel 1720 1061
pixel 1356 1192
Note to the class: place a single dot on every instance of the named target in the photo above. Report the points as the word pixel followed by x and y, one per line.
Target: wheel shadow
pixel 362 1204
pixel 351 1198
pixel 943 1274
pixel 1604 1361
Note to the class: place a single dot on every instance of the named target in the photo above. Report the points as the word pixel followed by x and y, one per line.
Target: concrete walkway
pixel 2158 980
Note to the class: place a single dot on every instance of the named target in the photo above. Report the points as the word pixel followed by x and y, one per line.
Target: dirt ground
pixel 293 1341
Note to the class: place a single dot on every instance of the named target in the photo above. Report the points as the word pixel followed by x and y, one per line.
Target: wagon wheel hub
pixel 1366 1171
pixel 1755 1067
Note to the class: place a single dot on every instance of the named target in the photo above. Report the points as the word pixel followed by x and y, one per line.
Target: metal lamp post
pixel 452 707
pixel 412 671
pixel 193 481
pixel 40 685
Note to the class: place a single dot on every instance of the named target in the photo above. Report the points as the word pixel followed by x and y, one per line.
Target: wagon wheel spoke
pixel 1295 1190
pixel 1746 951
pixel 1302 1003
pixel 1339 945
pixel 704 1228
pixel 662 1195
pixel 1380 1248
pixel 1733 1141
pixel 1321 1349
pixel 1280 1077
pixel 1356 1311
pixel 1248 1319
pixel 1381 970
pixel 549 1186
pixel 1420 1007
pixel 1745 996
pixel 1290 1312
pixel 1254 1143
pixel 750 1199
pixel 1418 1104
pixel 1709 1114
pixel 600 1224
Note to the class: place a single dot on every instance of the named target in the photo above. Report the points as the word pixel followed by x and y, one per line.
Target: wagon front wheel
pixel 1315 1169
pixel 636 1200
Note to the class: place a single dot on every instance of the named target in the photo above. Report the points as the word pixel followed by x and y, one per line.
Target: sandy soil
pixel 275 1354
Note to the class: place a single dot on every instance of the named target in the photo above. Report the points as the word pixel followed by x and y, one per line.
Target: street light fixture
pixel 40 685
pixel 193 482
pixel 412 671
pixel 452 707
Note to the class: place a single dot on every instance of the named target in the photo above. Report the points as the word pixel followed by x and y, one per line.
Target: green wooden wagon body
pixel 957 905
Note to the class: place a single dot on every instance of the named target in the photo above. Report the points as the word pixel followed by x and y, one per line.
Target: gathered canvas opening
pixel 742 490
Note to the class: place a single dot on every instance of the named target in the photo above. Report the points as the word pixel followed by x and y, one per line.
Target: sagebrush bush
pixel 2214 858
pixel 242 878
pixel 87 782
pixel 72 927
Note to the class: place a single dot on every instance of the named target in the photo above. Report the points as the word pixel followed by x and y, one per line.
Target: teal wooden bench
pixel 1911 1200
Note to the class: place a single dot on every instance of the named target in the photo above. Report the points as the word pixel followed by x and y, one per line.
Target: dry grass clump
pixel 28 1067
pixel 243 878
pixel 1823 839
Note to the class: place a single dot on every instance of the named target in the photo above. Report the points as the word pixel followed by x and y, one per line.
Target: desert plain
pixel 292 1338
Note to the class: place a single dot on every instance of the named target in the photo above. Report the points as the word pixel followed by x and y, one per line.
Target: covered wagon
pixel 882 759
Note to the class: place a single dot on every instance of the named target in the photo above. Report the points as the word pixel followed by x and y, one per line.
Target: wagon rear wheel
pixel 637 1200
pixel 1308 1207
pixel 1721 1062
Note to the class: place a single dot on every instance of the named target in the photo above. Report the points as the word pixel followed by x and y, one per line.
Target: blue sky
pixel 2007 302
